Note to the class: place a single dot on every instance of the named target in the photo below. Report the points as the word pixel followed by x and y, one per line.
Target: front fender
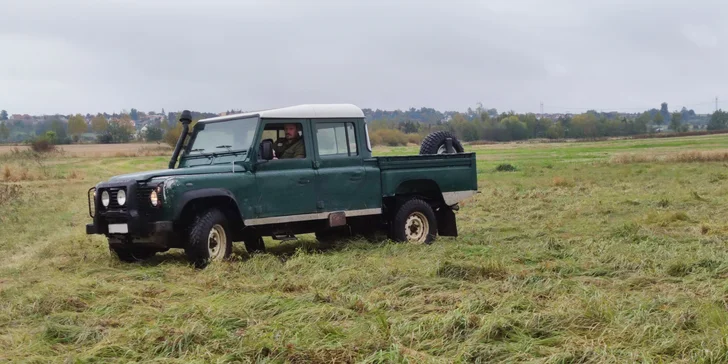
pixel 188 196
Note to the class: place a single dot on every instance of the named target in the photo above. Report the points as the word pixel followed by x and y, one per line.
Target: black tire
pixel 204 245
pixel 254 244
pixel 433 142
pixel 423 217
pixel 131 254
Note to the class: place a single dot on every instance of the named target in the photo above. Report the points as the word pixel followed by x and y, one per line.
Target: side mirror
pixel 266 150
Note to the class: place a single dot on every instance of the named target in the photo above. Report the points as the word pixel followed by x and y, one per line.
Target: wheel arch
pixel 429 191
pixel 423 188
pixel 196 201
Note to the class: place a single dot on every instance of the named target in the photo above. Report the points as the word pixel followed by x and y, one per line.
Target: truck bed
pixel 452 172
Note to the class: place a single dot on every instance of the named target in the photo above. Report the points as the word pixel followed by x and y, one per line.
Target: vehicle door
pixel 284 186
pixel 339 168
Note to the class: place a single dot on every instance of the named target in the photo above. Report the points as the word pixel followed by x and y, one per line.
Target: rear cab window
pixel 336 139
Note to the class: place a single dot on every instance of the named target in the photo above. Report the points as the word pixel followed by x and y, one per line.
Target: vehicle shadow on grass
pixel 172 256
pixel 308 245
pixel 289 248
pixel 282 250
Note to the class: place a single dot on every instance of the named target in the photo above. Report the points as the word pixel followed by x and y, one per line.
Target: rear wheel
pixel 209 239
pixel 415 222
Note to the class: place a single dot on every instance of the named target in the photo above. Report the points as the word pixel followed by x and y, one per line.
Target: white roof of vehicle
pixel 300 112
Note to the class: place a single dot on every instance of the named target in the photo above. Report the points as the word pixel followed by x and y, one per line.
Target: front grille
pixel 143 191
pixel 114 204
pixel 142 196
pixel 137 198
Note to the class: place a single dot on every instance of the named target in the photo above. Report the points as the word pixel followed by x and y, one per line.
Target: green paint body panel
pixel 451 172
pixel 182 172
pixel 342 179
pixel 284 187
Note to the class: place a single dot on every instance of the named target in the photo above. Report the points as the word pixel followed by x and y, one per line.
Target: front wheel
pixel 415 222
pixel 209 239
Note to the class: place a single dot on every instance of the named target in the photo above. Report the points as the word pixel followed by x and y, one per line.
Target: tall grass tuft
pixel 9 193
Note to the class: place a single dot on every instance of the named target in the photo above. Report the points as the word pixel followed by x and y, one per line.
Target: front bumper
pixel 151 228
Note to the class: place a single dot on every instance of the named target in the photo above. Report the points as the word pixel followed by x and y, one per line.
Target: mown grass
pixel 559 260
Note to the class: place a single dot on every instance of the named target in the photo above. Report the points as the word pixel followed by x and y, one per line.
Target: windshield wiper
pixel 229 151
pixel 196 156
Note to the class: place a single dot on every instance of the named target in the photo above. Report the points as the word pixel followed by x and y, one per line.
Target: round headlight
pixel 121 197
pixel 154 199
pixel 105 199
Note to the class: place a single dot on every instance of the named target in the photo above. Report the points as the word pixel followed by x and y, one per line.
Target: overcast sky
pixel 68 56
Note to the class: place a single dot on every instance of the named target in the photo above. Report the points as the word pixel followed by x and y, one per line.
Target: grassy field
pixel 587 252
pixel 103 150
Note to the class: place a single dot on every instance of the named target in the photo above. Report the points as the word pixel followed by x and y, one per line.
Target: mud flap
pixel 446 223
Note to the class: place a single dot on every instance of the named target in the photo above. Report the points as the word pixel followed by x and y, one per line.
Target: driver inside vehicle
pixel 291 146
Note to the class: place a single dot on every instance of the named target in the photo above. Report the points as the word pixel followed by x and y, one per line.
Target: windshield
pixel 223 136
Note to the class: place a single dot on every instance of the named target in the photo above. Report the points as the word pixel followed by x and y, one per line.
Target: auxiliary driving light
pixel 105 199
pixel 121 197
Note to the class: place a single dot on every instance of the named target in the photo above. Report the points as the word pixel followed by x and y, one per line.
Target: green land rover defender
pixel 281 172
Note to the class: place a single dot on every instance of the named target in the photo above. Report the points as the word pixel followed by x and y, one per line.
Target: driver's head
pixel 291 131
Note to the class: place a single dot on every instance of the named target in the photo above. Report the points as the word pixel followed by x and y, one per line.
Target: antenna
pixel 541 108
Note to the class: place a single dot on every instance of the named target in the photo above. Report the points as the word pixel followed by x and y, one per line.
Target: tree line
pixel 77 130
pixel 488 125
pixel 386 127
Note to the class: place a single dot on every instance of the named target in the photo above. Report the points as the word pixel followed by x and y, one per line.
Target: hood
pixel 146 175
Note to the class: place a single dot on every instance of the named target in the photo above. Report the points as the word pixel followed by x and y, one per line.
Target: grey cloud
pixel 90 56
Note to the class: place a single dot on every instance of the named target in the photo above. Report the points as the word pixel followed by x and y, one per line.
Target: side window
pixel 336 139
pixel 287 142
pixel 270 134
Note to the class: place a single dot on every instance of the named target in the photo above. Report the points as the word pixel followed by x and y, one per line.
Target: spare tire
pixel 435 143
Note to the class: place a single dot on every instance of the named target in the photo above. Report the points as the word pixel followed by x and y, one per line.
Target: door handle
pixel 303 181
